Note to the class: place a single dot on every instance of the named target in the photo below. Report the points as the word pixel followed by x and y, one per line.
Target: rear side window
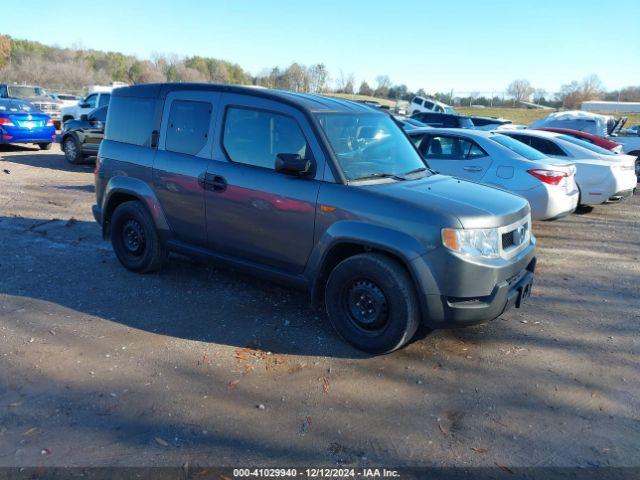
pixel 417 101
pixel 188 126
pixel 256 137
pixel 546 146
pixel 104 99
pixel 130 120
pixel 428 104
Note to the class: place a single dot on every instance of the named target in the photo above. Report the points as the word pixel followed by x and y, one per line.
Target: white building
pixel 610 107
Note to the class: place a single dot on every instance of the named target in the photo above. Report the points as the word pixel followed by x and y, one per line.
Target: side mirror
pixel 84 117
pixel 294 164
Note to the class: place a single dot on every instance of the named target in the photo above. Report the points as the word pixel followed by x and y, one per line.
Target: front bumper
pixel 458 293
pixel 452 312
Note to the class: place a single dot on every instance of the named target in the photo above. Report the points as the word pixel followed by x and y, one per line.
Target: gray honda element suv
pixel 323 194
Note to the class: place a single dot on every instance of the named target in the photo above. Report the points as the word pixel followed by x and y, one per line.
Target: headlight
pixel 477 242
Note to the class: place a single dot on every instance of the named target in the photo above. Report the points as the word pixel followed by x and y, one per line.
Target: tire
pixel 390 315
pixel 72 150
pixel 45 146
pixel 135 239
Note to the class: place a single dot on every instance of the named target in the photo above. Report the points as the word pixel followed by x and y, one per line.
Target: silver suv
pixel 326 195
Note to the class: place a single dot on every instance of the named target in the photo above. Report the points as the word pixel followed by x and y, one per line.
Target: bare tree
pixel 345 83
pixel 574 93
pixel 365 89
pixel 383 84
pixel 318 78
pixel 520 90
pixel 5 50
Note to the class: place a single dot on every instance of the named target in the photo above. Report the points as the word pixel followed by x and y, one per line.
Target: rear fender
pixel 120 189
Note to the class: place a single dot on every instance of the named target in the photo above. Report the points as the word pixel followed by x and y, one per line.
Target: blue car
pixel 22 122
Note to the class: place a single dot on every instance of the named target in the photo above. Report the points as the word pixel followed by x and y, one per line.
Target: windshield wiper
pixel 378 175
pixel 415 170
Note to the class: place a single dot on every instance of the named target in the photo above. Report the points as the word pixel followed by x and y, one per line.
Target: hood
pixel 43 99
pixel 473 204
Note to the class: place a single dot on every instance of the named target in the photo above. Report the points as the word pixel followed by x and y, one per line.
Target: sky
pixel 460 45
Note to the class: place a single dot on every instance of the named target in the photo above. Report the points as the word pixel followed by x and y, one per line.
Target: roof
pixel 531 133
pixel 305 101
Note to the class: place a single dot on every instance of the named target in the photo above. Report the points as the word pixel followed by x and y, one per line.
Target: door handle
pixel 472 168
pixel 213 182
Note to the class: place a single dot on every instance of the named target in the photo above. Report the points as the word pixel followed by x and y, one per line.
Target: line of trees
pixel 24 61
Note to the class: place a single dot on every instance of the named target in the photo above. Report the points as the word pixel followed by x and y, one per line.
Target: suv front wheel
pixel 371 302
pixel 135 239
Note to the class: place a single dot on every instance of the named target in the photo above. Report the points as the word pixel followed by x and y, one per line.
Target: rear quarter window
pixel 131 120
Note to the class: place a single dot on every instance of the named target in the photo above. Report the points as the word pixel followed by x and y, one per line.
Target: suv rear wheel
pixel 135 239
pixel 371 302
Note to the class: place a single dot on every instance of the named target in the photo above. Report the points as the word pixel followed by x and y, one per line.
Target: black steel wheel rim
pixel 133 239
pixel 365 305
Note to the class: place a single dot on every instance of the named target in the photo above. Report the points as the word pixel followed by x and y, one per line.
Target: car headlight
pixel 474 242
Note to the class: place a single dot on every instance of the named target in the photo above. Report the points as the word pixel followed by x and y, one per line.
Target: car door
pixel 184 150
pixel 94 132
pixel 88 104
pixel 254 212
pixel 455 156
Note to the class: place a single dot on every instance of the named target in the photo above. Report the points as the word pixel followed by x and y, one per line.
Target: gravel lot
pixel 202 364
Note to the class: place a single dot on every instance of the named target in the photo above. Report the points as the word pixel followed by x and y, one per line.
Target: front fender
pixel 375 237
pixel 120 188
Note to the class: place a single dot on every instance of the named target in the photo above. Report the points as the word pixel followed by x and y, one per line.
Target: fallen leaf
pixel 442 429
pixel 479 450
pixel 325 384
pixel 233 384
pixel 30 431
pixel 161 442
pixel 6 171
pixel 504 468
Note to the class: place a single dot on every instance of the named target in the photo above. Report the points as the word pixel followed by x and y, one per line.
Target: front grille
pixel 47 107
pixel 515 237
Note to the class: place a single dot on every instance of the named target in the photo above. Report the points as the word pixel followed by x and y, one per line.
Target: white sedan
pixel 497 160
pixel 602 176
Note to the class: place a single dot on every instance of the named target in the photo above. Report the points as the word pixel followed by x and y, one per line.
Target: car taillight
pixel 98 165
pixel 6 122
pixel 552 177
pixel 50 123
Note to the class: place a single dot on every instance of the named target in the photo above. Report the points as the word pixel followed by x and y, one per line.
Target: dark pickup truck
pixel 322 194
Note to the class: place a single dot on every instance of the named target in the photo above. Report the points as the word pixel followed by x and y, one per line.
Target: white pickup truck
pixel 99 96
pixel 605 126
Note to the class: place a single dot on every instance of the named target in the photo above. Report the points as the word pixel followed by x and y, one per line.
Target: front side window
pixel 188 126
pixel 100 114
pixel 369 145
pixel 104 99
pixel 451 148
pixel 256 137
pixel 428 104
pixel 91 101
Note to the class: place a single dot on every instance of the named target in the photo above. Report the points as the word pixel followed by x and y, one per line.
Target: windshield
pixel 587 145
pixel 449 110
pixel 369 145
pixel 518 147
pixel 22 91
